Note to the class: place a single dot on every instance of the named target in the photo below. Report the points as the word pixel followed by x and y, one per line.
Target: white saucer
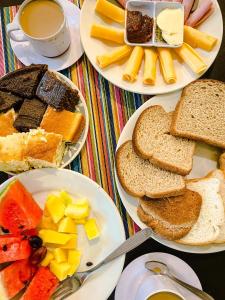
pixel 135 274
pixel 27 55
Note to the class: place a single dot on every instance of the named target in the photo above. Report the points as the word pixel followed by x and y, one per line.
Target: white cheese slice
pixel 171 20
pixel 174 39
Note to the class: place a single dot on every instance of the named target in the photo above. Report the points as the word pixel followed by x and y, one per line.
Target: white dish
pixel 27 54
pixel 42 182
pixel 151 9
pixel 135 276
pixel 93 47
pixel 205 160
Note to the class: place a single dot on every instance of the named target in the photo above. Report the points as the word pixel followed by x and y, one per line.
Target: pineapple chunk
pixel 77 212
pixel 60 255
pixel 47 223
pixel 74 257
pixel 82 202
pixel 72 244
pixel 91 229
pixel 51 236
pixel 59 269
pixel 73 269
pixel 66 198
pixel 48 257
pixel 80 221
pixel 55 207
pixel 67 225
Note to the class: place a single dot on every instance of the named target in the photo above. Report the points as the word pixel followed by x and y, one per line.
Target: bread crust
pixel 166 165
pixel 180 133
pixel 167 193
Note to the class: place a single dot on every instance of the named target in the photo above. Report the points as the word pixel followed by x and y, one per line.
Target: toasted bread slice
pixel 200 113
pixel 139 177
pixel 207 228
pixel 222 162
pixel 8 101
pixel 152 140
pixel 6 123
pixel 172 218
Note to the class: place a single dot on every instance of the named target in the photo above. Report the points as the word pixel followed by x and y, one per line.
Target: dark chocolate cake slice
pixel 56 93
pixel 30 115
pixel 8 100
pixel 24 81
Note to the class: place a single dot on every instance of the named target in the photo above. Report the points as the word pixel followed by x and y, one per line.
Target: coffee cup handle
pixel 11 28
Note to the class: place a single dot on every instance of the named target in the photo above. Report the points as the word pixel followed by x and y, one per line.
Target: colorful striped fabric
pixel 109 109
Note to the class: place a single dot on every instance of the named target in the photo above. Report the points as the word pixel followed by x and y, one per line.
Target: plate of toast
pixel 43 120
pixel 170 167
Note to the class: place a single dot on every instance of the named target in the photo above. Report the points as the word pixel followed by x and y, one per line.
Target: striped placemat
pixel 109 109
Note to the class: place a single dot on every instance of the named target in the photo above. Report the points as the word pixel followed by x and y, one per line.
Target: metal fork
pixel 73 283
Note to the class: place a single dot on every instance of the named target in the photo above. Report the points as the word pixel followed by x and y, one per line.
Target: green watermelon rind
pixel 4 191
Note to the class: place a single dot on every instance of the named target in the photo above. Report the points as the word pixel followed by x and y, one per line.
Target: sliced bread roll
pixel 139 177
pixel 172 218
pixel 207 228
pixel 200 113
pixel 220 176
pixel 152 140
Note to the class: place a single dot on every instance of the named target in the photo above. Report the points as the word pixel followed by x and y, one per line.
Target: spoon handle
pixel 201 294
pixel 126 246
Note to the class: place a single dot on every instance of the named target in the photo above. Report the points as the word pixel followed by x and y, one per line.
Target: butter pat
pixel 171 23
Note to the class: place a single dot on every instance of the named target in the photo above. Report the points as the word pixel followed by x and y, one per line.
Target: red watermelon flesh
pixel 16 276
pixel 13 248
pixel 42 285
pixel 18 209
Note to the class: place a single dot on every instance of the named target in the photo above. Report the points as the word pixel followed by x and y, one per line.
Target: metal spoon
pixel 160 268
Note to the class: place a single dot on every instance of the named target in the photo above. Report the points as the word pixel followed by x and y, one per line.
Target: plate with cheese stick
pixel 140 48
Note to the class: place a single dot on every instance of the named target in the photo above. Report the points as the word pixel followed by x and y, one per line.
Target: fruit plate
pixel 45 181
pixel 205 160
pixel 72 150
pixel 93 47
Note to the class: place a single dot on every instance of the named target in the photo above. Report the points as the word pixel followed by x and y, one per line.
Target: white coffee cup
pixel 50 46
pixel 155 284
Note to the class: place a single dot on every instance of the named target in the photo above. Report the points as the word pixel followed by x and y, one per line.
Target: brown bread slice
pixel 139 177
pixel 152 140
pixel 200 113
pixel 172 218
pixel 24 81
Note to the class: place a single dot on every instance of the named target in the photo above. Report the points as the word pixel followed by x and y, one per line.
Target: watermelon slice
pixel 13 248
pixel 18 209
pixel 42 285
pixel 14 278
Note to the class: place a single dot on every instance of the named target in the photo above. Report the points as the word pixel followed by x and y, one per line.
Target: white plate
pixel 135 274
pixel 27 54
pixel 42 182
pixel 72 150
pixel 93 47
pixel 205 160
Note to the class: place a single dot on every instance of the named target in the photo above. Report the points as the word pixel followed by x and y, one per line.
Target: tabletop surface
pixel 109 109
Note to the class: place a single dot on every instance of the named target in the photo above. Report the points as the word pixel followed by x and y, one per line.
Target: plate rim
pixel 90 181
pixel 215 248
pixel 149 92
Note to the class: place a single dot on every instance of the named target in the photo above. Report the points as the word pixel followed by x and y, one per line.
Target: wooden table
pixel 210 268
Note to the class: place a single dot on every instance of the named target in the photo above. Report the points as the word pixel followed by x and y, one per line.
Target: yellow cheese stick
pixel 167 65
pixel 191 58
pixel 110 58
pixel 107 33
pixel 198 39
pixel 110 11
pixel 150 66
pixel 133 64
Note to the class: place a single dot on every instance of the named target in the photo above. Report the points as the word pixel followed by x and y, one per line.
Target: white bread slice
pixel 152 140
pixel 207 228
pixel 139 177
pixel 200 113
pixel 220 175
